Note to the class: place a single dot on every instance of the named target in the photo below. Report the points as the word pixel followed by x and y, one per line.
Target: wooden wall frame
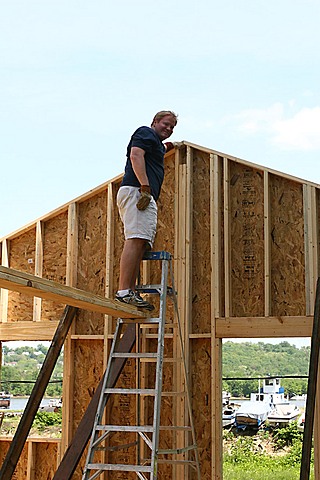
pixel 245 241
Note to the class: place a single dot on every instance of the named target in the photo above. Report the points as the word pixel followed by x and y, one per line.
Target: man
pixel 137 196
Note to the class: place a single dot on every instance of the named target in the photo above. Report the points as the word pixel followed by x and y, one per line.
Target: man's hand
pixel 171 145
pixel 145 197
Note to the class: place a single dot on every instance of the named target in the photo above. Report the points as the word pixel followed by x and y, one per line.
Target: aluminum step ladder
pixel 143 434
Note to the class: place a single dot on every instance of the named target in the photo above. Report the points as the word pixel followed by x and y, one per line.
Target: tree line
pixel 20 368
pixel 249 361
pixel 246 361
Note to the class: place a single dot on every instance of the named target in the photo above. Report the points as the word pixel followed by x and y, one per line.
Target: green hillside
pixel 247 360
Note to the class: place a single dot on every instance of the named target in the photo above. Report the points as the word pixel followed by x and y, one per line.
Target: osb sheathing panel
pixel 201 402
pixel 91 271
pixel 45 460
pixel 22 257
pixel 20 472
pixel 247 240
pixel 54 261
pixel 88 370
pixel 201 258
pixel 287 247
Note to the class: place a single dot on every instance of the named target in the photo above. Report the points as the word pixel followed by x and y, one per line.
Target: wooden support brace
pixel 311 392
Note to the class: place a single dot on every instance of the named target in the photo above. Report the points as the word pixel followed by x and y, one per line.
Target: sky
pixel 78 77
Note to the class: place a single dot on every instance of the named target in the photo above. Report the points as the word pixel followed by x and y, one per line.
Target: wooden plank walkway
pixel 34 286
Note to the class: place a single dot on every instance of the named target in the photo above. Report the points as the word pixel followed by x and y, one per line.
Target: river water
pixel 20 403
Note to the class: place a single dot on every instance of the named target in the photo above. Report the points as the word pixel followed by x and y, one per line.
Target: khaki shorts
pixel 137 223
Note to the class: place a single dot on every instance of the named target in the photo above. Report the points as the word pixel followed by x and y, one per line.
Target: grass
pixel 265 455
pixel 241 472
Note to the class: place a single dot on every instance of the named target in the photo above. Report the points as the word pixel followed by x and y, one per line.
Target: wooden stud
pixel 37 302
pixel 226 196
pixel 4 294
pixel 28 331
pixel 267 259
pixel 263 327
pixel 216 344
pixel 68 356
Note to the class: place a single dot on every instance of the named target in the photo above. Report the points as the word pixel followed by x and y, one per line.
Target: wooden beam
pixel 4 294
pixel 29 331
pixel 264 327
pixel 38 267
pixel 216 344
pixel 40 287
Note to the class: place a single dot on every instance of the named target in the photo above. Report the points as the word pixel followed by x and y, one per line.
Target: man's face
pixel 164 127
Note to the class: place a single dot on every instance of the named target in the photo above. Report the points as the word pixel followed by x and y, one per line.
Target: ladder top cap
pixel 162 255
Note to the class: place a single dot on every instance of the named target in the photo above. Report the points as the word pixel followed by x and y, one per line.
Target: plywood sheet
pixel 287 247
pixel 201 258
pixel 246 240
pixel 45 459
pixel 54 261
pixel 22 257
pixel 92 258
pixel 201 402
pixel 88 370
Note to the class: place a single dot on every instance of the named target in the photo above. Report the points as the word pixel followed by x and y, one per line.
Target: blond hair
pixel 162 114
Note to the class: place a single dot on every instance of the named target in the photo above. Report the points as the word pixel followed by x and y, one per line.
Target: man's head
pixel 163 123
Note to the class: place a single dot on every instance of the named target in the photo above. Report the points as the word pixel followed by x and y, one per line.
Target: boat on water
pixel 284 414
pixel 254 413
pixel 228 415
pixel 5 400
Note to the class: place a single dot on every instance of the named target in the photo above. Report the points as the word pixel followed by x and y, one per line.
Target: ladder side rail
pixel 159 368
pixel 94 441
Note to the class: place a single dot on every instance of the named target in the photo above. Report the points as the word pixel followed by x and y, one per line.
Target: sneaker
pixel 134 299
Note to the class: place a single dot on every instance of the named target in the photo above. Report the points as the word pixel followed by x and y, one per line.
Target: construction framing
pixel 245 241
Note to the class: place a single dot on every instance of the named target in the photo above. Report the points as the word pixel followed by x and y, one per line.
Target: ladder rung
pixel 177 451
pixel 125 428
pixel 153 289
pixel 140 321
pixel 135 355
pixel 133 391
pixel 120 467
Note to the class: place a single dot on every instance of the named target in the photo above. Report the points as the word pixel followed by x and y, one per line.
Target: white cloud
pixel 294 131
pixel 302 131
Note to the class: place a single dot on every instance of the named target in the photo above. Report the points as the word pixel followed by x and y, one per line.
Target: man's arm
pixel 139 168
pixel 139 165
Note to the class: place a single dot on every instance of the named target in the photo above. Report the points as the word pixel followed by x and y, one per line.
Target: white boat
pixel 299 398
pixel 255 412
pixel 228 415
pixel 5 400
pixel 283 414
pixel 225 397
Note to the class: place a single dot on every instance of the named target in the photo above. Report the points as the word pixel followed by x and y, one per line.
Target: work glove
pixel 171 145
pixel 145 197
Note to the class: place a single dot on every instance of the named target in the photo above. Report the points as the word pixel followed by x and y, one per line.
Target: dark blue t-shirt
pixel 147 139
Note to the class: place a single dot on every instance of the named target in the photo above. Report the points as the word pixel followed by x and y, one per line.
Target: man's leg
pixel 131 257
